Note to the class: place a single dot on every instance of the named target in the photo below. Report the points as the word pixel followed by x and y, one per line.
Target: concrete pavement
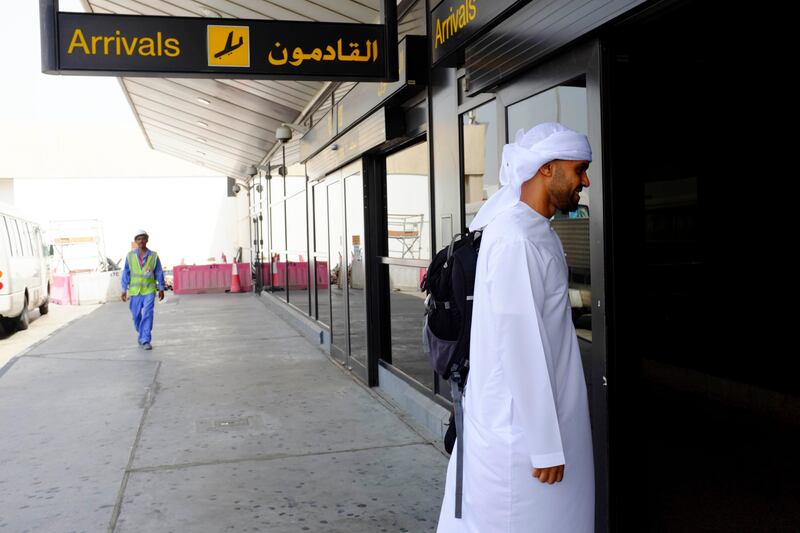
pixel 15 342
pixel 233 422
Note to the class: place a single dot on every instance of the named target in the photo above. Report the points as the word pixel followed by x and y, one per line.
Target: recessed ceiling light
pixel 202 140
pixel 204 101
pixel 210 13
pixel 201 123
pixel 201 153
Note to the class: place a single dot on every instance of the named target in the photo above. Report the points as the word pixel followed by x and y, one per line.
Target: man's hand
pixel 550 475
pixel 160 295
pixel 124 296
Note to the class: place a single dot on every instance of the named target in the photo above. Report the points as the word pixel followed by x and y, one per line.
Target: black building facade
pixel 695 410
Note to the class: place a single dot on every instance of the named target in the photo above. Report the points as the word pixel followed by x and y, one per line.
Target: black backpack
pixel 450 286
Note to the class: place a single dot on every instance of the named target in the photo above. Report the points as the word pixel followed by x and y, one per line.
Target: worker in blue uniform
pixel 141 278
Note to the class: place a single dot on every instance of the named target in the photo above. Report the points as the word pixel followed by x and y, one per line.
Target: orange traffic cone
pixel 235 284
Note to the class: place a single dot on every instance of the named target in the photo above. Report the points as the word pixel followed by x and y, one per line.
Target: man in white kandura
pixel 528 464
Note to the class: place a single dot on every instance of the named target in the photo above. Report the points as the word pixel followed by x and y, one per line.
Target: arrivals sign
pixel 456 22
pixel 124 45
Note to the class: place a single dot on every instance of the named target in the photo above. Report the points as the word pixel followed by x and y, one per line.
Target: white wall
pixel 189 218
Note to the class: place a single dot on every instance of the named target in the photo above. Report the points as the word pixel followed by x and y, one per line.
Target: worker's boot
pixel 147 346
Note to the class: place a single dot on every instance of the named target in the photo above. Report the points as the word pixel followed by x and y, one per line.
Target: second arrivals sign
pixel 454 23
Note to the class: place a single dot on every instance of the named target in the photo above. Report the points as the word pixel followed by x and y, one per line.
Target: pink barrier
pixel 200 279
pixel 61 290
pixel 298 275
pixel 297 272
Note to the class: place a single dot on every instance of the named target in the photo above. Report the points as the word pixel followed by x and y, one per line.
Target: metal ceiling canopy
pixel 228 125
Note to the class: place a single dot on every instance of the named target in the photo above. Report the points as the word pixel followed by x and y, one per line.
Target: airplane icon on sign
pixel 229 46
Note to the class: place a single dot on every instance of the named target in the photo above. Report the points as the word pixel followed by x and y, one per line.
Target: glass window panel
pixel 568 105
pixel 336 238
pixel 408 203
pixel 565 104
pixel 322 284
pixel 4 235
pixel 16 242
pixel 296 224
pixel 278 238
pixel 321 219
pixel 277 226
pixel 297 256
pixel 407 306
pixel 354 191
pixel 24 237
pixel 480 159
pixel 322 267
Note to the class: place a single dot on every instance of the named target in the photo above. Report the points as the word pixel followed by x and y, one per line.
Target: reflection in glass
pixel 278 226
pixel 354 202
pixel 337 274
pixel 408 203
pixel 277 256
pixel 257 252
pixel 297 264
pixel 323 275
pixel 566 104
pixel 480 157
pixel 407 306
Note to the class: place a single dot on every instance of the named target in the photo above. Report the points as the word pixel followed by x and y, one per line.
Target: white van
pixel 24 276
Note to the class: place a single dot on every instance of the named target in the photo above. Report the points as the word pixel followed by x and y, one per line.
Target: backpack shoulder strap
pixel 459 420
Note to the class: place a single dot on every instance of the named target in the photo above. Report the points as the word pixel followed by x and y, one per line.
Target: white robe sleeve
pixel 517 274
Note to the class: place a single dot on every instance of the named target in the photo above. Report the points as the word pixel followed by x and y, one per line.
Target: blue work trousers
pixel 142 311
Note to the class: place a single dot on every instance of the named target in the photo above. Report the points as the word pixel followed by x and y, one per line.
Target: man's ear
pixel 547 169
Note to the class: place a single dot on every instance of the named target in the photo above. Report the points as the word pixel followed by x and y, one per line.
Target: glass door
pixel 356 276
pixel 408 253
pixel 566 103
pixel 322 271
pixel 566 90
pixel 339 264
pixel 338 269
pixel 257 206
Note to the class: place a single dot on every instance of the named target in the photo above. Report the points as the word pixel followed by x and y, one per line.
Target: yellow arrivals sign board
pixel 119 45
pixel 454 23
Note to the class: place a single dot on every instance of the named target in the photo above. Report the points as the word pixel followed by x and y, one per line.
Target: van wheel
pixel 24 319
pixel 45 307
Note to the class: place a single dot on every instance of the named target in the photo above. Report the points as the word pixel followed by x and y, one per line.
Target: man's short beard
pixel 565 205
pixel 569 206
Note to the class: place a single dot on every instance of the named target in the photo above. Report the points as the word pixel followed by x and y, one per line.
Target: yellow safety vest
pixel 143 279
